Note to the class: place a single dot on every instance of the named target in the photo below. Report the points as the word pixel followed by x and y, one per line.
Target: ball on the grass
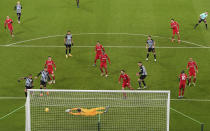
pixel 46 109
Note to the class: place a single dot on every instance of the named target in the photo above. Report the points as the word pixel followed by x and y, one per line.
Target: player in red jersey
pixel 98 49
pixel 103 58
pixel 182 83
pixel 175 27
pixel 193 68
pixel 9 22
pixel 126 81
pixel 49 64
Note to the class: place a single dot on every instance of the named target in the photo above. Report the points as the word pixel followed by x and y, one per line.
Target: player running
pixel 182 83
pixel 103 58
pixel 9 22
pixel 98 49
pixel 49 64
pixel 125 83
pixel 193 68
pixel 28 83
pixel 175 27
pixel 68 43
pixel 203 17
pixel 77 1
pixel 142 74
pixel 150 45
pixel 45 77
pixel 87 112
pixel 18 9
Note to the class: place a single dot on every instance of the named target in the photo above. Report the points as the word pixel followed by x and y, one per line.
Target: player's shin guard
pixel 69 50
pixel 26 94
pixel 206 26
pixel 182 91
pixel 195 26
pixel 144 83
pixel 154 56
pixel 18 18
pixel 66 51
pixel 194 80
pixel 147 55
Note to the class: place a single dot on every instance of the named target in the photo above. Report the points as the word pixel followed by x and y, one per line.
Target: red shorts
pixel 50 71
pixel 103 65
pixel 97 56
pixel 10 28
pixel 182 85
pixel 125 84
pixel 192 73
pixel 175 32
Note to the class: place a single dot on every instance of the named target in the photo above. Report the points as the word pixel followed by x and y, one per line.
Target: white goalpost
pixel 97 110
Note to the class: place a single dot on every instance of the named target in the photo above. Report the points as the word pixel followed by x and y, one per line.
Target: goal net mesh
pixel 140 111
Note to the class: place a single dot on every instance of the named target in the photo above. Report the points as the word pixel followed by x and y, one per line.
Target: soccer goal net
pixel 97 110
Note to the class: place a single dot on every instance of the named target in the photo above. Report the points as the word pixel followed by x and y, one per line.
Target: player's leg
pixel 124 94
pixel 101 68
pixel 77 3
pixel 197 24
pixel 66 51
pixel 190 76
pixel 149 49
pixel 70 50
pixel 41 87
pixel 183 91
pixel 143 77
pixel 172 39
pixel 53 76
pixel 180 89
pixel 154 53
pixel 194 78
pixel 106 70
pixel 25 91
pixel 179 40
pixel 19 15
pixel 129 86
pixel 96 58
pixel 11 31
pixel 205 23
pixel 139 81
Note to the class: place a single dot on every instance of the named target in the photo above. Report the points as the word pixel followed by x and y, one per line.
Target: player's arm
pixel 72 41
pixel 119 80
pixel 45 65
pixel 76 114
pixel 5 23
pixel 187 66
pixel 21 78
pixel 15 7
pixel 178 26
pixel 38 75
pixel 146 46
pixel 196 67
pixel 54 65
pixel 109 59
pixel 154 44
pixel 64 40
pixel 128 78
pixel 102 48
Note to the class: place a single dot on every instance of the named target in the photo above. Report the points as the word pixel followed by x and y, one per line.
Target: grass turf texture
pixel 44 18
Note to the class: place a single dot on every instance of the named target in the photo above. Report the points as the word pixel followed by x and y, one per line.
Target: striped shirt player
pixel 142 74
pixel 68 43
pixel 45 77
pixel 150 45
pixel 18 9
pixel 28 83
pixel 203 17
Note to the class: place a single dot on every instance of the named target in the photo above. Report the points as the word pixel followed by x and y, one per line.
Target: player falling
pixel 175 27
pixel 18 9
pixel 28 83
pixel 203 17
pixel 87 112
pixel 150 45
pixel 98 49
pixel 49 64
pixel 193 68
pixel 125 83
pixel 103 59
pixel 9 22
pixel 68 43
pixel 45 77
pixel 142 74
pixel 182 83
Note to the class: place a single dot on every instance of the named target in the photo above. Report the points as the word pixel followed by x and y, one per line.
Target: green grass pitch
pixel 42 18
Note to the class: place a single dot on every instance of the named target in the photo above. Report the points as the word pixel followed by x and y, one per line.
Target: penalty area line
pixel 12 112
pixel 185 115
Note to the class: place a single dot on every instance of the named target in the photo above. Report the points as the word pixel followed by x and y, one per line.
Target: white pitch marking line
pixel 98 34
pixel 11 112
pixel 194 100
pixel 186 116
pixel 54 46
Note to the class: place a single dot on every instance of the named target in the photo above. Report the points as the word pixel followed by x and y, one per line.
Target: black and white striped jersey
pixel 142 70
pixel 29 82
pixel 44 76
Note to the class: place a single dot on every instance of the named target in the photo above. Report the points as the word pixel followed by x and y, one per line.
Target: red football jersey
pixel 99 49
pixel 50 64
pixel 183 78
pixel 175 25
pixel 104 57
pixel 192 66
pixel 8 22
pixel 125 78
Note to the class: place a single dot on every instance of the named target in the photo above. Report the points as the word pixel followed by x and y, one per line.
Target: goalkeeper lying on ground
pixel 87 112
